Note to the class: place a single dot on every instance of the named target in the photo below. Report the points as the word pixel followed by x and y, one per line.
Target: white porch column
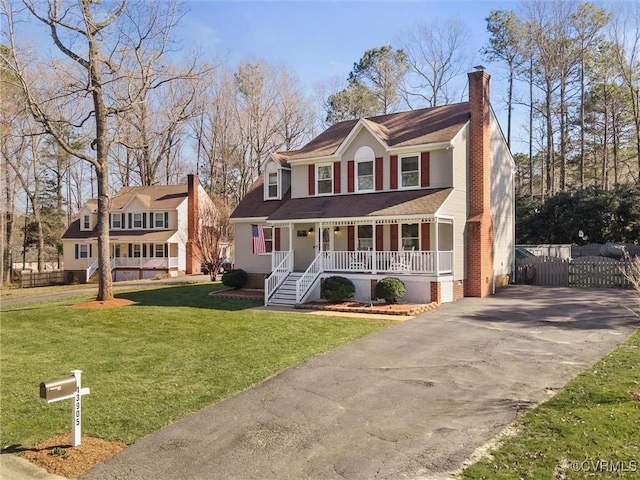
pixel 437 249
pixel 290 236
pixel 374 268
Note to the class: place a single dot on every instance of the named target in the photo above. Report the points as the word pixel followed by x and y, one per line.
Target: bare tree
pixel 112 54
pixel 215 234
pixel 437 55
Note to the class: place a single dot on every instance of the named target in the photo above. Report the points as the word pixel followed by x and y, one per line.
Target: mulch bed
pixel 114 302
pixel 243 293
pixel 375 308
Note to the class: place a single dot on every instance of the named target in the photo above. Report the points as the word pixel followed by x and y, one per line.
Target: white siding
pixel 245 259
pixel 502 201
pixel 457 203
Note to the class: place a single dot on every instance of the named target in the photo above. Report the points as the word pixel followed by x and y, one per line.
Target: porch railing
pixel 278 275
pixel 388 261
pixel 91 269
pixel 309 276
pixel 144 262
pixel 277 256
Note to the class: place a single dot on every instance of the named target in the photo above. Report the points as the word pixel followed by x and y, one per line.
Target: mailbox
pixel 59 389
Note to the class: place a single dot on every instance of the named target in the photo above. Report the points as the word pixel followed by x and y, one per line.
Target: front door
pixel 326 237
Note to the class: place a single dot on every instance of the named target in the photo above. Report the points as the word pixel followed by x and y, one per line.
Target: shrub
pixel 235 278
pixel 336 289
pixel 391 289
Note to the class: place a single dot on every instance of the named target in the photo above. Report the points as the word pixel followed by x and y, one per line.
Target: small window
pixel 159 250
pixel 410 236
pixel 86 224
pixel 272 187
pixel 365 176
pixel 268 238
pixel 158 221
pixel 325 179
pixel 365 237
pixel 137 251
pixel 409 171
pixel 137 220
pixel 83 251
pixel 116 220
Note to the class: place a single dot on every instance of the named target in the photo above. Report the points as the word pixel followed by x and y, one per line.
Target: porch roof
pixel 401 203
pixel 145 236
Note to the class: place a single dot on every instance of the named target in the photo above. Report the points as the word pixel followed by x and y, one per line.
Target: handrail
pixel 91 269
pixel 278 276
pixel 310 275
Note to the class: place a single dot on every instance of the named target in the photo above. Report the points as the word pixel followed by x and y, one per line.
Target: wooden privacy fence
pixel 588 272
pixel 42 279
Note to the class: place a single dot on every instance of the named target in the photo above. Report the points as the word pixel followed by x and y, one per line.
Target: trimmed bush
pixel 337 288
pixel 235 278
pixel 391 289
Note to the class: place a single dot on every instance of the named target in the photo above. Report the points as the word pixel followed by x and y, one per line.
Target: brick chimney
pixel 193 251
pixel 479 223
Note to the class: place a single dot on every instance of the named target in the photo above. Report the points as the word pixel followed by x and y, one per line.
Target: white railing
pixel 382 262
pixel 144 262
pixel 277 256
pixel 278 275
pixel 91 269
pixel 309 276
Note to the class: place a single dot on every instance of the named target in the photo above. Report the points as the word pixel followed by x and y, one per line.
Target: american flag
pixel 259 244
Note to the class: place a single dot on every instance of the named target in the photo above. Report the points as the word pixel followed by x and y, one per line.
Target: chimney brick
pixel 193 250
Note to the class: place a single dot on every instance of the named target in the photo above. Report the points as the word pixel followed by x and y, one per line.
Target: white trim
pixel 338 222
pixel 267 185
pixel 354 132
pixel 135 195
pixel 425 147
pixel 314 160
pixel 248 219
pixel 317 179
pixel 373 174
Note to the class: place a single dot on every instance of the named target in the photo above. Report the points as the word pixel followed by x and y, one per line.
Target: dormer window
pixel 410 171
pixel 364 158
pixel 272 185
pixel 324 179
pixel 86 222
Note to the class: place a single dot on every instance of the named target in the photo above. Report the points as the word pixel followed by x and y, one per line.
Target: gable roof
pixel 253 205
pixel 403 129
pixel 154 197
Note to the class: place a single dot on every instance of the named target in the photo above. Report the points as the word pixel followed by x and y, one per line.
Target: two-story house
pixel 425 195
pixel 150 229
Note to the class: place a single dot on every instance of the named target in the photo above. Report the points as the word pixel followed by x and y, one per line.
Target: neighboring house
pixel 150 229
pixel 426 196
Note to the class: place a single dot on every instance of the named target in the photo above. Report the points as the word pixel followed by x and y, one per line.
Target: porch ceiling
pixel 372 207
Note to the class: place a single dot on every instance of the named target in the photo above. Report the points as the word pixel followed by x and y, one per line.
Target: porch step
pixel 286 295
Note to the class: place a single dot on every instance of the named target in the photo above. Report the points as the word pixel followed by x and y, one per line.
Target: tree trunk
pixel 549 152
pixel 105 283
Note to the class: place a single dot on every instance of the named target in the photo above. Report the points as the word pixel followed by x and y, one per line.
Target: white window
pixel 137 250
pixel 159 250
pixel 410 236
pixel 83 251
pixel 272 185
pixel 365 237
pixel 410 171
pixel 365 176
pixel 158 220
pixel 137 220
pixel 116 220
pixel 85 224
pixel 324 179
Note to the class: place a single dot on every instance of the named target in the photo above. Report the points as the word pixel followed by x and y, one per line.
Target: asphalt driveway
pixel 412 401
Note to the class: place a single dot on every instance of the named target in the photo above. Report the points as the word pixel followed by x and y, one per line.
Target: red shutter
pixel 425 241
pixel 394 237
pixel 379 240
pixel 351 240
pixel 276 239
pixel 312 180
pixel 394 172
pixel 379 173
pixel 350 176
pixel 336 177
pixel 424 169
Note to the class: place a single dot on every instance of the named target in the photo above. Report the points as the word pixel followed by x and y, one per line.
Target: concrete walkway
pixel 412 401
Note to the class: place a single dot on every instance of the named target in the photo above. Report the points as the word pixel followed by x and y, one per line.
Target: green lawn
pixel 175 352
pixel 594 419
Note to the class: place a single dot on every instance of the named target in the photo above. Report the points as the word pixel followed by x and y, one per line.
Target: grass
pixel 173 353
pixel 594 419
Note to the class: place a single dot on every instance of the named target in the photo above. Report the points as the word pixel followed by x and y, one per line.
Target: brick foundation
pixel 255 280
pixel 458 289
pixel 435 294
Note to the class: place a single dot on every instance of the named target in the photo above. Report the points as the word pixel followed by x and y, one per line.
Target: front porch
pixel 362 250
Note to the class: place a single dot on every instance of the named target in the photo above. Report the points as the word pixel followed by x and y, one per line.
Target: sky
pixel 322 39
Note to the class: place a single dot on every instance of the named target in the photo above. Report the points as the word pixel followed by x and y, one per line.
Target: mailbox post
pixel 63 389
